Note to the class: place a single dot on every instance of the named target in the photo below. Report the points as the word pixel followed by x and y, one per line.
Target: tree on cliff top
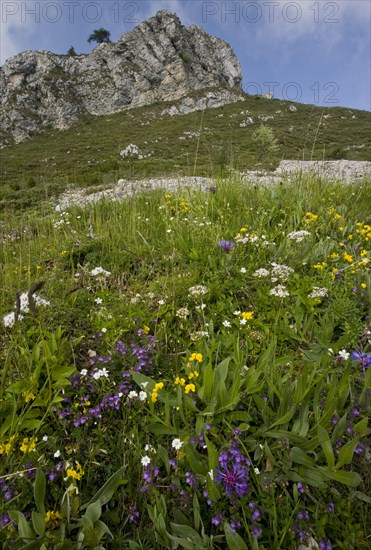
pixel 100 36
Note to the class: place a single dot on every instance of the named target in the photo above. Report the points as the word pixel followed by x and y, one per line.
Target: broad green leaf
pixel 326 445
pixel 38 523
pixel 186 532
pixel 39 491
pixel 300 457
pixel 195 460
pixel 346 452
pixel 352 479
pixel 24 530
pixel 93 512
pixel 234 541
pixel 106 492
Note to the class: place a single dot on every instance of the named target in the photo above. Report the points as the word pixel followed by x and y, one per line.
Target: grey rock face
pixel 159 60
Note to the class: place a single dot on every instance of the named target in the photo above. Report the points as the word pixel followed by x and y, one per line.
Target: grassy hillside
pixel 201 143
pixel 191 371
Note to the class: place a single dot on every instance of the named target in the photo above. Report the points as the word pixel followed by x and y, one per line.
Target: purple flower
pixel 363 357
pixel 233 473
pixel 216 520
pixel 325 544
pixel 211 189
pixel 227 246
pixel 331 507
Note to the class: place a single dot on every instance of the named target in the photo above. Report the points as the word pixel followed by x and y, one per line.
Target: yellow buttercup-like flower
pixel 247 315
pixel 196 357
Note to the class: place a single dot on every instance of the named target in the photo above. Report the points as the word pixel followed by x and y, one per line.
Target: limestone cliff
pixel 158 60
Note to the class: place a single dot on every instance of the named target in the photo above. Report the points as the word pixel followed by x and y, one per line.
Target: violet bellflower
pixel 233 473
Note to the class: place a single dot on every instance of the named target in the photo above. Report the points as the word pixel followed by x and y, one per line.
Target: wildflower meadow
pixel 188 370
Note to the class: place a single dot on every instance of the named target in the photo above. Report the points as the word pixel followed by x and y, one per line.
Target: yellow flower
pixel 350 237
pixel 190 388
pixel 192 375
pixel 363 285
pixel 28 445
pixel 75 474
pixel 52 516
pixel 180 381
pixel 247 315
pixel 145 329
pixel 363 253
pixel 348 257
pixel 333 256
pixel 28 396
pixel 157 387
pixel 243 230
pixel 196 357
pixel 320 266
pixel 309 217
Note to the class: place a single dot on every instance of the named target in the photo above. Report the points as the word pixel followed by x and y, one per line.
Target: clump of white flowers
pixel 280 272
pixel 318 292
pixel 298 236
pixel 26 302
pixel 198 290
pixel 100 272
pixel 279 291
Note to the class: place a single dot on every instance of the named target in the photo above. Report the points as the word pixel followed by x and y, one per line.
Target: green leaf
pixel 234 541
pixel 186 532
pixel 300 457
pixel 352 479
pixel 326 445
pixel 194 459
pixel 346 453
pixel 24 530
pixel 106 492
pixel 361 427
pixel 93 512
pixel 39 491
pixel 38 523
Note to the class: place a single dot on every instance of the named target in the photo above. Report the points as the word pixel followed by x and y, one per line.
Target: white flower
pixel 198 290
pixel 237 312
pixel 257 471
pixel 298 236
pixel 182 312
pixel 57 454
pixel 226 324
pixel 243 321
pixel 243 270
pixel 344 354
pixel 45 438
pixel 132 394
pixel 104 372
pixel 98 300
pixel 161 302
pixel 279 291
pixel 318 292
pixel 145 460
pixel 282 272
pixel 142 396
pixel 261 272
pixel 177 444
pixel 100 272
pixel 104 330
pixel 83 372
pixel 9 319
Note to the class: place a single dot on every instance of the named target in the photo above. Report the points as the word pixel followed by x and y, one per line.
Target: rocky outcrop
pixel 160 60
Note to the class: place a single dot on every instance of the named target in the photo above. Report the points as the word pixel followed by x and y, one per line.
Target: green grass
pixel 272 381
pixel 89 152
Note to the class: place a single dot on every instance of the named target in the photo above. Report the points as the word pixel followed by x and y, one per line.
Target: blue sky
pixel 313 51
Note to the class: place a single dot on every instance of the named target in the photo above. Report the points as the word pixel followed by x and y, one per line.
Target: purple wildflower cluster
pixel 150 473
pixel 91 406
pixel 6 490
pixel 233 473
pixel 301 525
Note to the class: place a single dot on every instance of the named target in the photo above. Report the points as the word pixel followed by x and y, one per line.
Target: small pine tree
pixel 265 142
pixel 71 51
